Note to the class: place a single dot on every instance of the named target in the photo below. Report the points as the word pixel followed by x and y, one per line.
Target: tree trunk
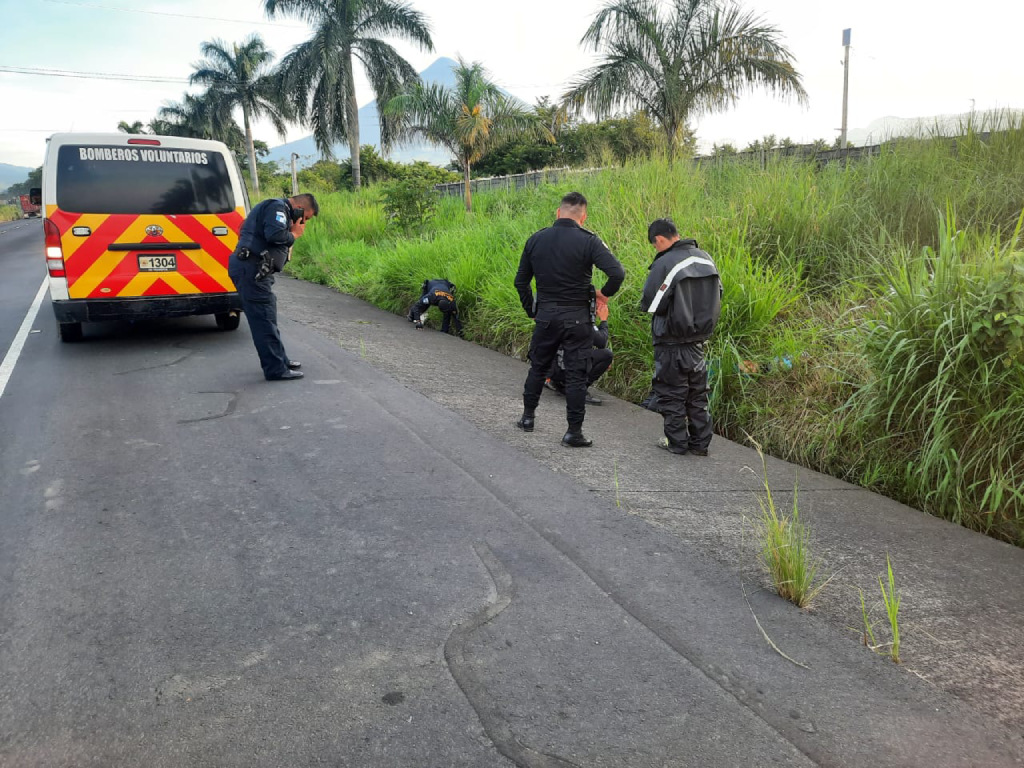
pixel 465 177
pixel 352 109
pixel 251 149
pixel 670 146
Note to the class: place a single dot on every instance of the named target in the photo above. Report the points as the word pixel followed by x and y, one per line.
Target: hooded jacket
pixel 683 294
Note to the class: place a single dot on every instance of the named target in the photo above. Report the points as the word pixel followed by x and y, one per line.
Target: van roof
pixel 122 140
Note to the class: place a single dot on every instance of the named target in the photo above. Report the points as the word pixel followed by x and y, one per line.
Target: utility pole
pixel 846 86
pixel 295 176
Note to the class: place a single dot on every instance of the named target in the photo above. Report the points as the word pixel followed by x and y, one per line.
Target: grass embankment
pixel 9 212
pixel 873 321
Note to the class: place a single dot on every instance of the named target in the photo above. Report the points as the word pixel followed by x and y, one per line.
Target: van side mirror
pixel 35 195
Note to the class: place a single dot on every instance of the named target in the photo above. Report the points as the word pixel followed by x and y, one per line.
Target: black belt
pixel 563 304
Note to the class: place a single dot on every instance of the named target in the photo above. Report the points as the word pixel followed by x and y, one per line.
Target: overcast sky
pixel 908 59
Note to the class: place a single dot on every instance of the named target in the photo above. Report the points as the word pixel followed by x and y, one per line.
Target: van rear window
pixel 106 179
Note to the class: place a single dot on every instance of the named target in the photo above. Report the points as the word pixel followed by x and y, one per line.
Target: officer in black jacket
pixel 264 246
pixel 683 294
pixel 561 258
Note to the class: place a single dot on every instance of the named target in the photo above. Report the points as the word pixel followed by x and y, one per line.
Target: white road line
pixel 7 366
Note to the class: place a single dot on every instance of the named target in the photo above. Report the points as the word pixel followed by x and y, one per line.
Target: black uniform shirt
pixel 267 227
pixel 562 257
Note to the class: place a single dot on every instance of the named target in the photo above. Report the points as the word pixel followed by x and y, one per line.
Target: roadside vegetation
pixel 873 320
pixel 9 212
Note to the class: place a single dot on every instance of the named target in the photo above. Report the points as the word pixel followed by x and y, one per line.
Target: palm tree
pixel 237 76
pixel 136 127
pixel 206 116
pixel 695 57
pixel 470 119
pixel 319 74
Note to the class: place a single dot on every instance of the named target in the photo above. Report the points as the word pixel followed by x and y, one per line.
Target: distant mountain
pixel 885 128
pixel 12 174
pixel 440 72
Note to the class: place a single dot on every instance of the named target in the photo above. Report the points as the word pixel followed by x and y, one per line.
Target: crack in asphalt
pixel 230 409
pixel 495 725
pixel 188 354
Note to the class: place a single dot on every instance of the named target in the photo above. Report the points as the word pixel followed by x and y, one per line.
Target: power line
pixel 97 7
pixel 91 75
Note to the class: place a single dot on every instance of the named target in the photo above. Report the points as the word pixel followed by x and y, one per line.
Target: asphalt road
pixel 201 568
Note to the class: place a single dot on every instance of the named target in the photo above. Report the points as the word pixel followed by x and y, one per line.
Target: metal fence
pixel 516 181
pixel 805 152
pixel 810 153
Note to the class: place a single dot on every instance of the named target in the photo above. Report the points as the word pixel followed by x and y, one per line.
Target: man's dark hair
pixel 662 227
pixel 307 202
pixel 573 200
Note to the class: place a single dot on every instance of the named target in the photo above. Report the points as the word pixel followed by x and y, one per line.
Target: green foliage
pixel 409 203
pixel 891 601
pixel 376 169
pixel 785 545
pixel 323 177
pixel 944 343
pixel 9 212
pixel 581 144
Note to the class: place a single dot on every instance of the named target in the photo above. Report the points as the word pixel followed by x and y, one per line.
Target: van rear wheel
pixel 228 321
pixel 70 331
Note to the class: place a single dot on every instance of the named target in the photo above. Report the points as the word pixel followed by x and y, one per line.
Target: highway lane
pixel 22 268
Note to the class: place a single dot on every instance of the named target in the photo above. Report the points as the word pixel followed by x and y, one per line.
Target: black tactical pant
pixel 681 389
pixel 571 329
pixel 417 310
pixel 260 306
pixel 598 361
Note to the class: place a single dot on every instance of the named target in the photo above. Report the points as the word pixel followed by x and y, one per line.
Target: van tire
pixel 70 331
pixel 228 321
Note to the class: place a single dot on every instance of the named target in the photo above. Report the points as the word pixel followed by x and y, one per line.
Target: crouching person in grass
pixel 683 295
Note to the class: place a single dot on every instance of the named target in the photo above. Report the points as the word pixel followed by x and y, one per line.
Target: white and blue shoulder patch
pixel 282 217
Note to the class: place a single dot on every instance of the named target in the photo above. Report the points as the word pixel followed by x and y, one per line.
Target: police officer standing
pixel 561 258
pixel 264 247
pixel 683 294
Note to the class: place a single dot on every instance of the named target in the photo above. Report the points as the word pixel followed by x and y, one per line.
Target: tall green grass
pixel 9 212
pixel 870 325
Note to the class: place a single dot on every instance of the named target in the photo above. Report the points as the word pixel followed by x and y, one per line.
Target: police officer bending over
pixel 561 258
pixel 264 246
pixel 441 294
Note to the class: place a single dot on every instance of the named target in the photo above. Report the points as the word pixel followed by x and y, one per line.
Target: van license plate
pixel 158 262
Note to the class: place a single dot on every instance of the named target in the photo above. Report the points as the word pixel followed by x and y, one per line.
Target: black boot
pixel 525 422
pixel 574 439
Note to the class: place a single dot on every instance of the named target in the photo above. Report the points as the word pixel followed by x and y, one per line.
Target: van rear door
pixel 149 221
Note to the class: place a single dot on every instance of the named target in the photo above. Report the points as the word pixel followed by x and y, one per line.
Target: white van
pixel 140 226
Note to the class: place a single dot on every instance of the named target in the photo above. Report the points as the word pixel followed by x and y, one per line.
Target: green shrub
pixel 945 347
pixel 409 203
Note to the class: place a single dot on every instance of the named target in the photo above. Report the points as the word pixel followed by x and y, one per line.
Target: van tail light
pixel 54 252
